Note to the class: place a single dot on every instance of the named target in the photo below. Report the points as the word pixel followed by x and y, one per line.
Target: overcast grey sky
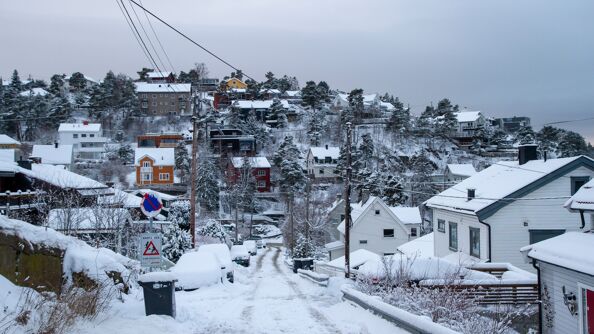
pixel 504 57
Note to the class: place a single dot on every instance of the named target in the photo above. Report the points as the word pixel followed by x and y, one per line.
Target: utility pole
pixel 347 204
pixel 197 110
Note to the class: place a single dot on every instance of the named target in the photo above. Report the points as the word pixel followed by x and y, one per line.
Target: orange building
pixel 154 165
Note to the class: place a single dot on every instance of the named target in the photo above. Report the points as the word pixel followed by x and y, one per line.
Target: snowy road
pixel 266 298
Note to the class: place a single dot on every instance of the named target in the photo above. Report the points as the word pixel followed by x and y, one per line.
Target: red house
pixel 260 170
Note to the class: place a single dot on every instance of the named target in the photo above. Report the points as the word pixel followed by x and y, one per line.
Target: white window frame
pixel 261 184
pixel 261 172
pixel 581 286
pixel 164 177
pixel 146 164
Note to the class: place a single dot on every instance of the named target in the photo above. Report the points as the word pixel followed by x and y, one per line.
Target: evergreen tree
pixel 447 120
pixel 323 91
pixel 277 115
pixel 77 81
pixel 126 154
pixel 15 82
pixel 399 121
pixel 286 149
pixel 548 138
pixel 176 242
pixel 310 96
pixel 356 106
pixel 366 149
pixel 208 185
pixel 288 159
pixel 179 214
pixel 571 144
pixel 525 135
pixel 57 84
pixel 304 247
pixel 182 160
pixel 315 127
pixel 211 232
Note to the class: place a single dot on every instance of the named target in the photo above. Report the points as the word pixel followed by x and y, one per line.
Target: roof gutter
pixel 539 296
pixel 583 219
pixel 488 237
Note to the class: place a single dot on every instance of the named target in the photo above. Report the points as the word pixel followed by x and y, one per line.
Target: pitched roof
pixel 6 140
pixel 144 87
pixel 255 162
pixel 160 156
pixel 87 218
pixel 420 247
pixel 50 154
pixel 157 74
pixel 247 104
pixel 357 210
pixel 572 250
pixel 323 152
pixel 503 179
pixel 34 92
pixel 468 116
pixel 461 169
pixel 583 199
pixel 407 215
pixel 78 127
pixel 62 178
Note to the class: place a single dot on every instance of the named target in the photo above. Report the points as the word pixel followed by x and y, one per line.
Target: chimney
pixel 364 195
pixel 85 122
pixel 527 153
pixel 55 144
pixel 470 193
pixel 326 146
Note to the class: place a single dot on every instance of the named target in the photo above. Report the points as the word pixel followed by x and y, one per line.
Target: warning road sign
pixel 150 250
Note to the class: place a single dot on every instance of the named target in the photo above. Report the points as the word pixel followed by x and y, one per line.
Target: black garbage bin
pixel 159 293
pixel 306 264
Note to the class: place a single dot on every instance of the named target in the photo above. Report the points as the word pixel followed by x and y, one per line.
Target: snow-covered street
pixel 266 298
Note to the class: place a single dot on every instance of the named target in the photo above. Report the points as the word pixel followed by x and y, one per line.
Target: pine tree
pixel 77 81
pixel 277 115
pixel 447 120
pixel 211 231
pixel 571 144
pixel 310 96
pixel 356 106
pixel 366 149
pixel 208 185
pixel 176 242
pixel 399 121
pixel 126 154
pixel 179 214
pixel 304 248
pixel 315 127
pixel 548 139
pixel 525 135
pixel 57 84
pixel 182 160
pixel 15 82
pixel 288 159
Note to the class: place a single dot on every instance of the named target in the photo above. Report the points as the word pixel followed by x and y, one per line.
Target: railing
pixel 14 200
pixel 319 279
pixel 493 293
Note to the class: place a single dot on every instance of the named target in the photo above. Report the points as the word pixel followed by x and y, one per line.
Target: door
pixel 590 311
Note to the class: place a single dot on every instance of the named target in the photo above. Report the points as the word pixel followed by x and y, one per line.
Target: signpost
pixel 150 243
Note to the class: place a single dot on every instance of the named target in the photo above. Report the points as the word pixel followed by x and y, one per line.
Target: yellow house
pixel 235 83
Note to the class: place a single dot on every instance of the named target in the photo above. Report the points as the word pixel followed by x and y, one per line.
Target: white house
pixel 34 92
pixel 458 172
pixel 369 101
pixel 378 227
pixel 7 154
pixel 321 163
pixel 86 139
pixel 492 214
pixel 468 123
pixel 60 155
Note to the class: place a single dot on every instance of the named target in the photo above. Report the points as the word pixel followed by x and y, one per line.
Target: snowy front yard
pixel 266 298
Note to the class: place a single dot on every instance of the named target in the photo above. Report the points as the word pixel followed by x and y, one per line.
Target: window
pixel 413 232
pixel 342 217
pixel 92 135
pixel 377 212
pixel 585 308
pixel 261 184
pixel 388 254
pixel 441 225
pixel 154 103
pixel 321 171
pixel 540 235
pixel 388 233
pixel 147 177
pixel 154 96
pixel 163 176
pixel 75 135
pixel 475 242
pixel 84 135
pixel 453 229
pixel 577 182
pixel 261 172
pixel 146 164
pixel 362 242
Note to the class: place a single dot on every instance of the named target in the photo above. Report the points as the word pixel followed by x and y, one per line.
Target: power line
pixel 569 121
pixel 148 38
pixel 133 33
pixel 189 39
pixel 158 40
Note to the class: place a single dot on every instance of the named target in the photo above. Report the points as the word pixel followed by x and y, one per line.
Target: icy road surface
pixel 266 298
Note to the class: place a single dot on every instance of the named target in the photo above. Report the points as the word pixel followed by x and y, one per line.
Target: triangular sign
pixel 151 250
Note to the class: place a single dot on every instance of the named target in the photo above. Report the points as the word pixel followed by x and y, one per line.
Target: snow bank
pixel 157 276
pixel 401 318
pixel 357 258
pixel 197 269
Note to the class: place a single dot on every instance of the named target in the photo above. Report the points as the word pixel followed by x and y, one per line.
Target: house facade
pixel 86 139
pixel 492 214
pixel 260 170
pixel 457 172
pixel 160 77
pixel 159 140
pixel 231 141
pixel 469 122
pixel 321 163
pixel 164 99
pixel 234 83
pixel 154 166
pixel 379 228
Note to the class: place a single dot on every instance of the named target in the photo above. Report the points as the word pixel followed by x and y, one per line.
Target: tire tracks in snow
pixel 248 311
pixel 316 314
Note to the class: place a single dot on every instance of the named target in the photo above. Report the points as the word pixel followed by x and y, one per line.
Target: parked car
pixel 251 246
pixel 222 253
pixel 194 270
pixel 260 244
pixel 240 255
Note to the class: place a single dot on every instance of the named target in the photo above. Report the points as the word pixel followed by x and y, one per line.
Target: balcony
pixel 146 170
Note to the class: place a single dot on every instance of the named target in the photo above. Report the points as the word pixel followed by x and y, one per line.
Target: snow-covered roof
pixel 583 199
pixel 237 90
pixel 356 210
pixel 368 99
pixel 572 250
pixel 157 74
pixel 160 156
pixel 7 155
pixel 498 181
pixel 62 178
pixel 34 92
pixel 87 218
pixel 255 162
pixel 270 90
pixel 468 116
pixel 334 245
pixel 86 78
pixel 78 127
pixel 120 197
pixel 293 93
pixel 356 259
pixel 387 105
pixel 50 154
pixel 407 215
pixel 162 196
pixel 247 104
pixel 462 169
pixel 420 247
pixel 6 140
pixel 143 87
pixel 322 152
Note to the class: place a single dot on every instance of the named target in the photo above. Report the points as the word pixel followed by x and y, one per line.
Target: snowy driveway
pixel 266 298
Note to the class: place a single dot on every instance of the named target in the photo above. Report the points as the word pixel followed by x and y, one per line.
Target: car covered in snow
pixel 251 246
pixel 240 255
pixel 223 255
pixel 195 270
